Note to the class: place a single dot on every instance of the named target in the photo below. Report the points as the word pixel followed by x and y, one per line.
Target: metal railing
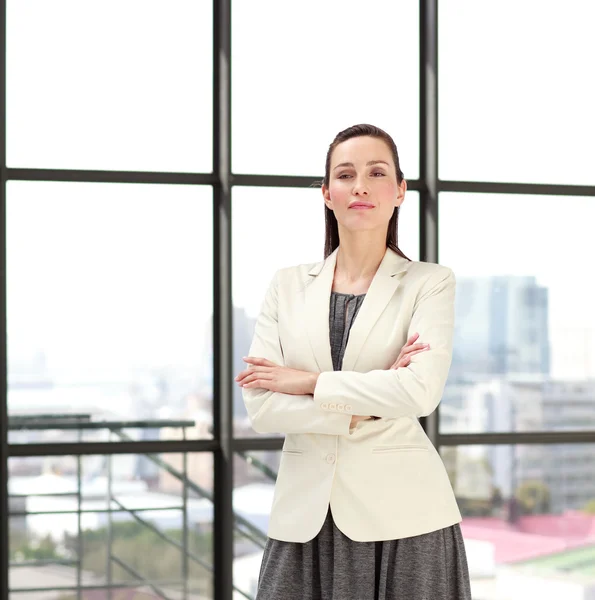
pixel 82 422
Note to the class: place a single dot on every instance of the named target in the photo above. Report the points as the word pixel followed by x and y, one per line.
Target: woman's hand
pixel 263 373
pixel 408 350
pixel 355 419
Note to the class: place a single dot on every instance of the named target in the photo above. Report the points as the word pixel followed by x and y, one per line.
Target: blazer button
pixel 340 406
pixel 332 406
pixel 324 405
pixel 348 407
pixel 330 459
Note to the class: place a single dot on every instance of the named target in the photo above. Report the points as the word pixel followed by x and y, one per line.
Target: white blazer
pixel 383 479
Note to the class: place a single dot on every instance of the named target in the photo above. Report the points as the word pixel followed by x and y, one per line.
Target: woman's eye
pixel 344 175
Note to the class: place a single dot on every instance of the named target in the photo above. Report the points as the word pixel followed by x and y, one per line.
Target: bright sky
pixel 111 276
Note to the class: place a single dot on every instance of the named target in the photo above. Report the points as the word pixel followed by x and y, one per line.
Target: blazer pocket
pixel 293 452
pixel 399 448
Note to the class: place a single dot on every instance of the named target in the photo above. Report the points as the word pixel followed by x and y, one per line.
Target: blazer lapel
pixel 317 299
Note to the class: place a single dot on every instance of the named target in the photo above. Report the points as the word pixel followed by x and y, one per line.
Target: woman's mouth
pixel 361 206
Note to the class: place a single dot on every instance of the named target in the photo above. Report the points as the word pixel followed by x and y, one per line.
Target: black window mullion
pixel 223 548
pixel 4 520
pixel 428 152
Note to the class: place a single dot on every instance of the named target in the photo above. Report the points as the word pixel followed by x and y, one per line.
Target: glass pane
pixel 528 518
pixel 141 102
pixel 275 228
pixel 139 525
pixel 524 348
pixel 254 483
pixel 109 311
pixel 303 72
pixel 516 97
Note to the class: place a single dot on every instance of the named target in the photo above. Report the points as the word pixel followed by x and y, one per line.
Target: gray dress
pixel 432 566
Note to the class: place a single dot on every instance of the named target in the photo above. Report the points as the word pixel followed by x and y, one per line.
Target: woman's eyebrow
pixel 371 162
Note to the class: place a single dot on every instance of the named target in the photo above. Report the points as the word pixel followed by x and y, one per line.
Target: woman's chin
pixel 361 227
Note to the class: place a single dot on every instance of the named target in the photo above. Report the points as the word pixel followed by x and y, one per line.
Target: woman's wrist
pixel 312 380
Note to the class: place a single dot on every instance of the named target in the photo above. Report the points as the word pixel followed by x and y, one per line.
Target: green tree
pixel 534 497
pixel 24 546
pixel 147 553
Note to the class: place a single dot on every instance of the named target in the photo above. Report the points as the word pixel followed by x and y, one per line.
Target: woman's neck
pixel 358 262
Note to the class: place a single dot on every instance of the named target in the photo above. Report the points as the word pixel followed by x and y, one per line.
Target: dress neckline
pixel 343 294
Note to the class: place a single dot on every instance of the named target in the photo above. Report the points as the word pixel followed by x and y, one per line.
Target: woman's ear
pixel 402 188
pixel 327 197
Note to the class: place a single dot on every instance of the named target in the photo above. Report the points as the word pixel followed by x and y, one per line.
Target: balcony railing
pixel 82 422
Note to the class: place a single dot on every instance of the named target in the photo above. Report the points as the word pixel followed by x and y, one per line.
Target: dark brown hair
pixel 331 240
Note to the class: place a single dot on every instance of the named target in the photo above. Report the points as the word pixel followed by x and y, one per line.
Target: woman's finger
pixel 259 383
pixel 254 360
pixel 406 351
pixel 258 372
pixel 405 359
pixel 253 370
pixel 403 363
pixel 416 348
pixel 243 374
pixel 409 344
pixel 412 339
pixel 408 356
pixel 256 376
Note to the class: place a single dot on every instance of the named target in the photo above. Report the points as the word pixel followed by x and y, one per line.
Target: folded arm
pixel 413 391
pixel 276 412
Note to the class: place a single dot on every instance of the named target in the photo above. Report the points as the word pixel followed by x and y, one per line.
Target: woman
pixel 363 508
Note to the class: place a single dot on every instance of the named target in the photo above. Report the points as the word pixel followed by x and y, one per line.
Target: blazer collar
pixel 317 298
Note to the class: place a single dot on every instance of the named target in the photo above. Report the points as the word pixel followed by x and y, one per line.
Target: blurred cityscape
pixel 529 510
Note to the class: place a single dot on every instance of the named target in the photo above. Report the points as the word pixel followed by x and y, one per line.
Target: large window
pixel 160 161
pixel 109 85
pixel 528 517
pixel 302 72
pixel 524 357
pixel 109 309
pixel 111 525
pixel 515 101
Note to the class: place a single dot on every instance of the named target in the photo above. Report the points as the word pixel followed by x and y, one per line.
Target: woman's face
pixel 362 171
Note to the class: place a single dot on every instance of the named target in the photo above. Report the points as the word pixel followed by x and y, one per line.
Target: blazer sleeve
pixel 276 412
pixel 412 391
